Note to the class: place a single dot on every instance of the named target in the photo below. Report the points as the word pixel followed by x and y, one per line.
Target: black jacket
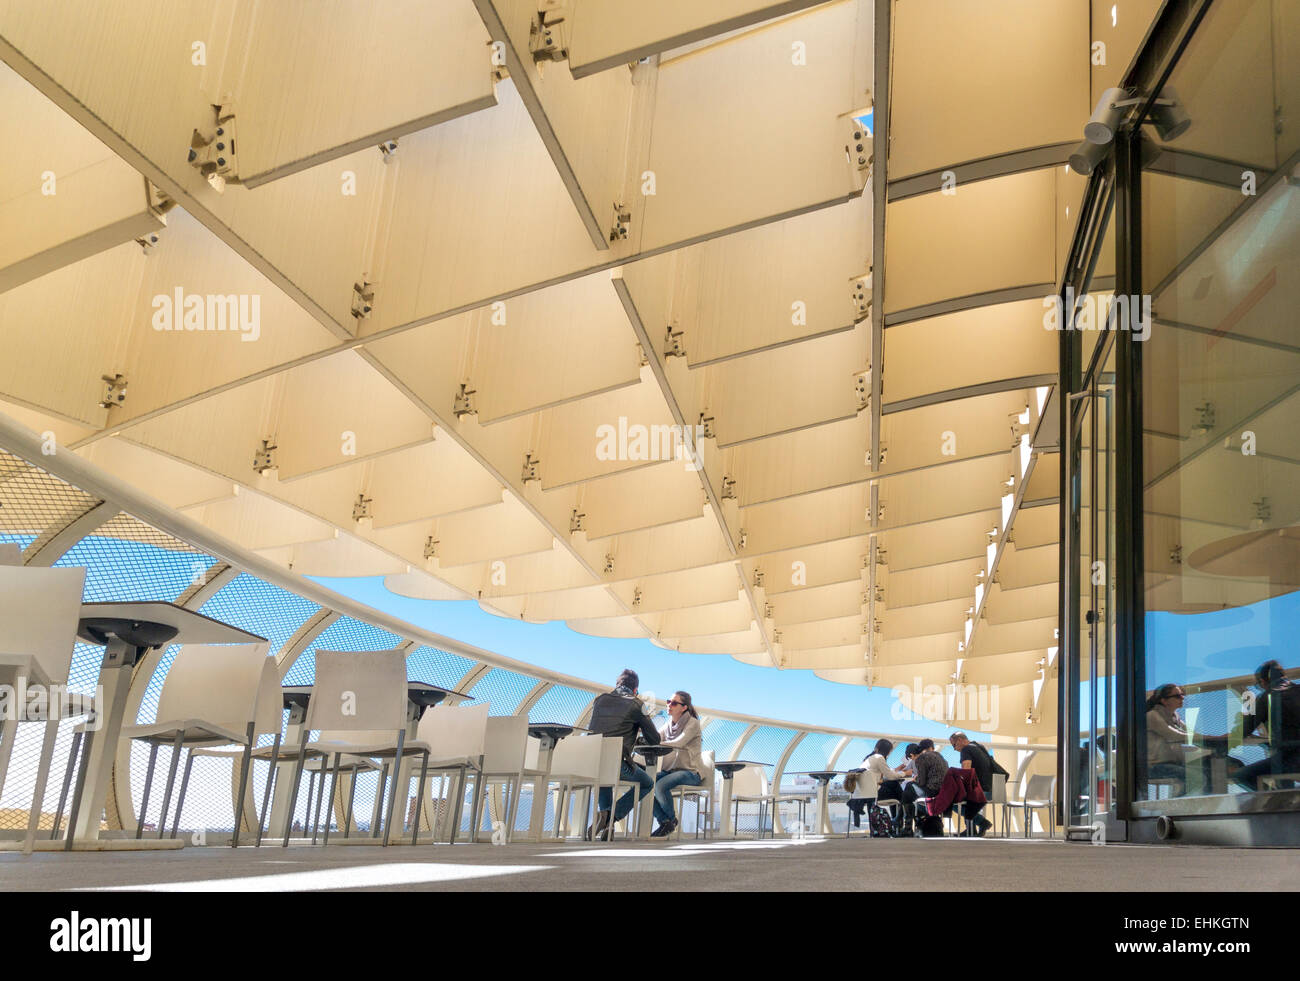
pixel 615 714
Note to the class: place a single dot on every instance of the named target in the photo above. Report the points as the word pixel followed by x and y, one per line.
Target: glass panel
pixel 1221 413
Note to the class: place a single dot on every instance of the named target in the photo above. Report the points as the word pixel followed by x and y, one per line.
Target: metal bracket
pixel 464 405
pixel 674 343
pixel 862 296
pixel 530 471
pixel 148 242
pixel 114 391
pixel 363 299
pixel 705 427
pixel 548 38
pixel 264 457
pixel 576 521
pixel 431 547
pixel 361 508
pixel 860 148
pixel 212 151
pixel 622 223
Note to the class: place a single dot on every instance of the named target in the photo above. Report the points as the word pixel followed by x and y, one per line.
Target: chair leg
pixel 67 782
pixel 377 812
pixel 180 798
pixel 419 797
pixel 42 775
pixel 334 783
pixel 397 775
pixel 352 794
pixel 245 765
pixel 266 793
pixel 311 799
pixel 144 797
pixel 171 782
pixel 78 791
pixel 293 791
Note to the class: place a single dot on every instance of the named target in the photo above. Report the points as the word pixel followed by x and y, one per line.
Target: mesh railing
pixel 128 560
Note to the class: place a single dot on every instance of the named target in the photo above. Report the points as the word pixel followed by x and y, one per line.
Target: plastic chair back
pixel 359 691
pixel 1039 787
pixel 999 794
pixel 39 611
pixel 611 758
pixel 229 685
pixel 577 756
pixel 455 733
pixel 506 745
pixel 750 781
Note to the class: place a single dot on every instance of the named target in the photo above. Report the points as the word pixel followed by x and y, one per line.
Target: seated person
pixel 680 768
pixel 1167 738
pixel 876 781
pixel 975 757
pixel 622 714
pixel 929 769
pixel 1277 711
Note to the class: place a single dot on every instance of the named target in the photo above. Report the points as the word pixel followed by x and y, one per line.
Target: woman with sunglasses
pixel 683 766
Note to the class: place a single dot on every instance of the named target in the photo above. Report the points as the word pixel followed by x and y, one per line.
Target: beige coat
pixel 688 746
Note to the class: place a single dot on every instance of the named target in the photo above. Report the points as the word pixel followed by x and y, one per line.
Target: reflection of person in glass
pixel 1277 711
pixel 1167 738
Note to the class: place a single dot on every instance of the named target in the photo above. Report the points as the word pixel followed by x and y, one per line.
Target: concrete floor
pixel 940 865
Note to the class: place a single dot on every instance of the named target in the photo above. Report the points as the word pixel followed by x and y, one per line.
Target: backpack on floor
pixel 881 825
pixel 932 826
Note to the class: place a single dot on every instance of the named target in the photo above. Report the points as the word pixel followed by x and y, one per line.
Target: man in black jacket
pixel 620 713
pixel 1277 710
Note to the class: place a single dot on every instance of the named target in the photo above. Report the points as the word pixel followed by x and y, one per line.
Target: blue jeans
pixel 631 773
pixel 664 785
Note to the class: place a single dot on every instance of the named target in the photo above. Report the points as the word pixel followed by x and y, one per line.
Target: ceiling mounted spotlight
pixel 1087 156
pixel 1169 116
pixel 1106 117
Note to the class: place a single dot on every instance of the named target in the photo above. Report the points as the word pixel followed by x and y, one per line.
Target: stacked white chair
pixel 611 767
pixel 213 695
pixel 510 759
pixel 458 736
pixel 751 787
pixel 575 766
pixel 701 794
pixel 359 704
pixel 39 612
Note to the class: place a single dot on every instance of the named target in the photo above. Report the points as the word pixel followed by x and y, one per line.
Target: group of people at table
pixel 923 775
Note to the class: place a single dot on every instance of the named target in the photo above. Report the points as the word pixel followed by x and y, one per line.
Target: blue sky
pixel 714 680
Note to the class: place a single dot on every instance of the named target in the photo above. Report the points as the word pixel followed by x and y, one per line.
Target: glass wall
pixel 1220 412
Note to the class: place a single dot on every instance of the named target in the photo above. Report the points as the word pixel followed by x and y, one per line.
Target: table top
pixel 556 730
pixel 192 627
pixel 421 693
pixel 823 775
pixel 653 750
pixel 728 767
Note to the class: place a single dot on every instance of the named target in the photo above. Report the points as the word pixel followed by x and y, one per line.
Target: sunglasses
pixel 673 701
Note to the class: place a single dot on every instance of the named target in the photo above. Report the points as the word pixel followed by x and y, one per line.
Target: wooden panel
pixel 971 347
pixel 608 33
pixel 741 133
pixel 989 235
pixel 361 72
pixel 971 80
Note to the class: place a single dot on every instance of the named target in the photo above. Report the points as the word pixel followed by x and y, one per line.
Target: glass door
pixel 1090 637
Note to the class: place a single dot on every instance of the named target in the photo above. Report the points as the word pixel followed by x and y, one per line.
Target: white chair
pixel 611 769
pixel 359 704
pixel 39 612
pixel 702 794
pixel 1040 792
pixel 509 759
pixel 213 695
pixel 998 802
pixel 458 737
pixel 575 765
pixel 750 786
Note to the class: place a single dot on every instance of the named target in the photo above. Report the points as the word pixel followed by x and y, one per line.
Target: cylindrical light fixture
pixel 1170 116
pixel 1086 156
pixel 1106 117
